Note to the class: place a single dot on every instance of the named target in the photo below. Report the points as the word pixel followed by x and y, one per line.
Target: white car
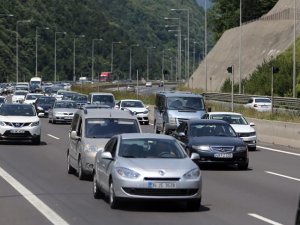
pixel 19 122
pixel 148 84
pixel 19 96
pixel 240 125
pixel 2 100
pixel 137 107
pixel 261 104
pixel 31 98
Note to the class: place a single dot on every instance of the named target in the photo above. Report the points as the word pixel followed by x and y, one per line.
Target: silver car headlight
pixel 193 174
pixel 34 124
pixel 172 120
pixel 2 124
pixel 201 147
pixel 146 111
pixel 92 148
pixel 127 173
pixel 241 148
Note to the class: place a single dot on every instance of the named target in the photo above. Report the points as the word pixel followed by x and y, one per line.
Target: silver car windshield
pixel 185 103
pixel 231 119
pixel 150 148
pixel 17 110
pixel 108 127
pixel 199 130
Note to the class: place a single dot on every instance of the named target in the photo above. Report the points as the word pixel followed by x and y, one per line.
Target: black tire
pixel 243 166
pixel 155 129
pixel 147 123
pixel 49 121
pixel 114 202
pixel 164 131
pixel 252 148
pixel 81 174
pixel 70 168
pixel 96 190
pixel 36 140
pixel 194 204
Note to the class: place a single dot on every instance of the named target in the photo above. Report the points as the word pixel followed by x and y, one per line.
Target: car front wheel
pixel 36 140
pixel 96 190
pixel 243 166
pixel 194 204
pixel 113 200
pixel 70 168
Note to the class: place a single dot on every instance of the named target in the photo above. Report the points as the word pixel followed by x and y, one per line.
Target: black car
pixel 42 104
pixel 214 140
pixel 81 99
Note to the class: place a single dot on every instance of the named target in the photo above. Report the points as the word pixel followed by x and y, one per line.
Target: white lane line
pixel 264 219
pixel 281 175
pixel 280 151
pixel 52 216
pixel 50 135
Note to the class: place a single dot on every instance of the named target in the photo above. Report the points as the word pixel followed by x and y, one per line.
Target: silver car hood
pixel 152 166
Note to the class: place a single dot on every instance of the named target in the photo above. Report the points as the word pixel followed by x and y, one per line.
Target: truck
pixel 105 77
pixel 35 84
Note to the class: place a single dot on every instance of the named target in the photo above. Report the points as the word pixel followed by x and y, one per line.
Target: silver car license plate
pixel 162 185
pixel 17 131
pixel 223 155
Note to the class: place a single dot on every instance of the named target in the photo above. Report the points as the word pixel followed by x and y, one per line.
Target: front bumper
pixel 214 158
pixel 63 119
pixel 143 117
pixel 23 133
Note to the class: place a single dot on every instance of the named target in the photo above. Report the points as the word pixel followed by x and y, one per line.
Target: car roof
pixel 101 93
pixel 145 135
pixel 224 113
pixel 106 113
pixel 132 100
pixel 178 94
pixel 203 121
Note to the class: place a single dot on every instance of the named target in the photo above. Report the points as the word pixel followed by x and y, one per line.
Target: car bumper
pixel 250 141
pixel 63 119
pixel 23 133
pixel 141 189
pixel 212 157
pixel 143 118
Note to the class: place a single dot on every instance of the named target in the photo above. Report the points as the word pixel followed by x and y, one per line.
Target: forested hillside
pixel 130 22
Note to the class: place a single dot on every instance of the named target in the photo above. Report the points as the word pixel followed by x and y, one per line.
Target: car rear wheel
pixel 70 168
pixel 243 166
pixel 113 200
pixel 194 204
pixel 96 190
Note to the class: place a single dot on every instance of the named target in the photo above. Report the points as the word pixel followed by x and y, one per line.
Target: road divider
pixel 281 175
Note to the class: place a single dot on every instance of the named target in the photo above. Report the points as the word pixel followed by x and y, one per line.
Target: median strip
pixel 264 219
pixel 281 175
pixel 280 151
pixel 52 216
pixel 53 136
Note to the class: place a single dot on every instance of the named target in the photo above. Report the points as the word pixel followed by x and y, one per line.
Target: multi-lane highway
pixel 36 189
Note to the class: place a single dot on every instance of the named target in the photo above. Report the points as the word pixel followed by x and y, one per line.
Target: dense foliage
pixel 130 21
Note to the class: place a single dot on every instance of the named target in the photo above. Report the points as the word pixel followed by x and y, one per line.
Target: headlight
pixel 252 133
pixel 34 124
pixel 127 173
pixel 40 108
pixel 92 148
pixel 172 120
pixel 241 148
pixel 201 147
pixel 2 124
pixel 193 174
pixel 145 112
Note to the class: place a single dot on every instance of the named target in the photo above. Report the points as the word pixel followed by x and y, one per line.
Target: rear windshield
pixel 108 127
pixel 263 100
pixel 103 100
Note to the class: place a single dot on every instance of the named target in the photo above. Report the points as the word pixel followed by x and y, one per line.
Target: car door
pixel 105 165
pixel 73 143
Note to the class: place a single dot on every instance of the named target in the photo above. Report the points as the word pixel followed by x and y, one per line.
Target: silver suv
pixel 90 130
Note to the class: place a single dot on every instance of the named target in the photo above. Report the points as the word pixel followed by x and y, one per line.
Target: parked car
pixel 94 126
pixel 62 111
pixel 137 107
pixel 19 96
pixel 102 98
pixel 43 104
pixel 19 122
pixel 32 97
pixel 240 125
pixel 130 88
pixel 260 104
pixel 148 84
pixel 215 141
pixel 173 107
pixel 146 166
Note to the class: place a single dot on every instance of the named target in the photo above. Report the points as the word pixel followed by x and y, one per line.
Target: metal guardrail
pixel 279 102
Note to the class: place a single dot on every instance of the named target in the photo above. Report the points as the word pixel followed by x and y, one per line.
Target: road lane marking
pixel 264 219
pixel 281 175
pixel 52 216
pixel 280 151
pixel 50 135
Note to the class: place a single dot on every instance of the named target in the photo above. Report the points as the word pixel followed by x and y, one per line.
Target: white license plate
pixel 162 185
pixel 17 131
pixel 223 155
pixel 68 117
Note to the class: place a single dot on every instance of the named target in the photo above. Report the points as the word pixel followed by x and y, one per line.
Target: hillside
pixel 132 22
pixel 262 40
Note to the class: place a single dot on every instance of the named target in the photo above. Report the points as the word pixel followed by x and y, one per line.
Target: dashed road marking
pixel 281 175
pixel 50 135
pixel 280 151
pixel 264 219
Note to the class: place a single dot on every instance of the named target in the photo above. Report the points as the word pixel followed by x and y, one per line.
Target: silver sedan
pixel 146 166
pixel 62 111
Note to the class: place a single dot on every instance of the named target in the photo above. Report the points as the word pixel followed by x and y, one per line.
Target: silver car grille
pixel 68 114
pixel 222 148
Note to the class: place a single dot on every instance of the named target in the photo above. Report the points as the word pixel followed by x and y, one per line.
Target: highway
pixel 36 189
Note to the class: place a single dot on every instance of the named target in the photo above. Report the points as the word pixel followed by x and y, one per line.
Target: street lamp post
pixel 36 48
pixel 57 32
pixel 130 53
pixel 194 55
pixel 93 60
pixel 205 42
pixel 152 47
pixel 112 54
pixel 74 55
pixel 188 37
pixel 240 50
pixel 17 48
pixel 294 53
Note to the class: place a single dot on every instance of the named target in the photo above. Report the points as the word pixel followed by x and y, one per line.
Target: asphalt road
pixel 265 194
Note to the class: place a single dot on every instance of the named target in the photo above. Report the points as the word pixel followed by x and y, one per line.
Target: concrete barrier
pixel 269 131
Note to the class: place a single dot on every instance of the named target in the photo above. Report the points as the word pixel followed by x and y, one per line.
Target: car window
pixel 132 104
pixel 74 122
pixel 231 119
pixel 194 103
pixel 108 127
pixel 111 146
pixel 150 148
pixel 79 128
pixel 262 100
pixel 200 130
pixel 103 99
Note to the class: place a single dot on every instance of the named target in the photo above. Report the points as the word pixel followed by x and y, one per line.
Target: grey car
pixel 146 166
pixel 62 111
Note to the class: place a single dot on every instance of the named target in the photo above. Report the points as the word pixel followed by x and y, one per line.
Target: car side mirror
pixel 74 135
pixel 106 155
pixel 251 124
pixel 181 134
pixel 195 156
pixel 117 107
